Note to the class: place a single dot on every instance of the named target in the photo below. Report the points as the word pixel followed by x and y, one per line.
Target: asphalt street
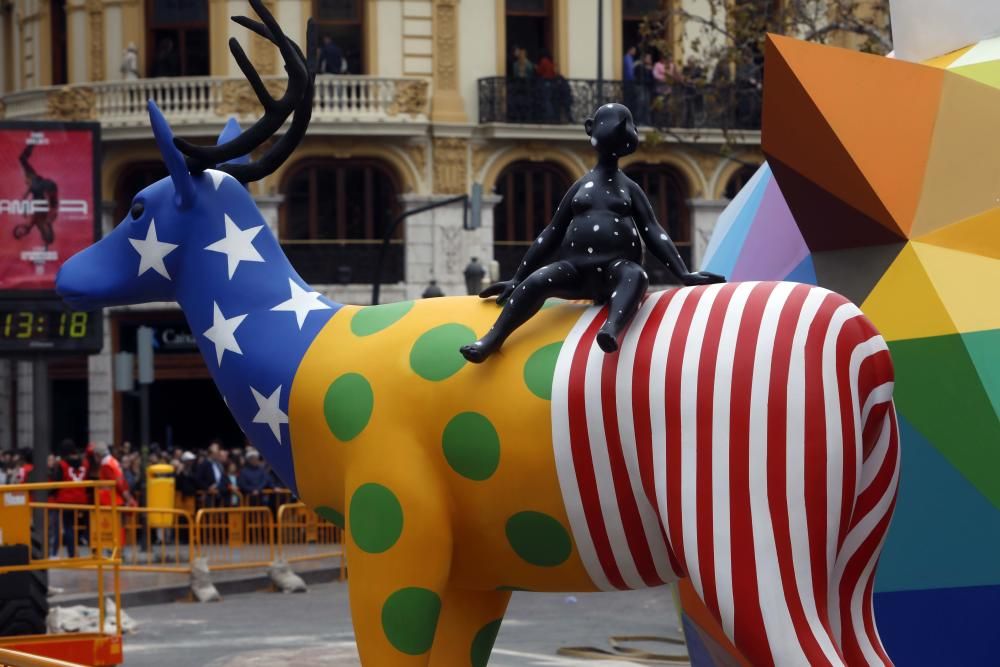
pixel 314 629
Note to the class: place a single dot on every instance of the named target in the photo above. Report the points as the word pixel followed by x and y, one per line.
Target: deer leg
pixel 399 545
pixel 468 627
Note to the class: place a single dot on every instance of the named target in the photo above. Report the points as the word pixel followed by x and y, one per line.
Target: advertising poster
pixel 48 211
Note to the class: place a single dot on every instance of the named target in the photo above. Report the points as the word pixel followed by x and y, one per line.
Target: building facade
pixel 430 100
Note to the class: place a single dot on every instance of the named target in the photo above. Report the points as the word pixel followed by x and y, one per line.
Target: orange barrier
pixel 232 538
pixel 19 659
pixel 302 535
pixel 148 549
pixel 101 553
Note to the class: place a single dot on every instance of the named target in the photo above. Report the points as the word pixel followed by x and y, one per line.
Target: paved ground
pixel 314 629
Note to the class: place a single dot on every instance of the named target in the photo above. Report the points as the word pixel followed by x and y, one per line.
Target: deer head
pixel 143 258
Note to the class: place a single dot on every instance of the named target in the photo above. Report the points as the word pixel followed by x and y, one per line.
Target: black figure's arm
pixel 540 250
pixel 29 171
pixel 658 241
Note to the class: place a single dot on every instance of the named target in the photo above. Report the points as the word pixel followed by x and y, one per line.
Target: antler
pixel 297 98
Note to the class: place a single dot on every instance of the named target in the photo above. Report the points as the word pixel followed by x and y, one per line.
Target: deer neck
pixel 254 318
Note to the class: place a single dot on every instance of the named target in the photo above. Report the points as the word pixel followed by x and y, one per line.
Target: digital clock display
pixel 38 326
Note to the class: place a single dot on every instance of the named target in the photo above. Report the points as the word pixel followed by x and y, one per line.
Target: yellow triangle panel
pixel 904 304
pixel 967 285
pixel 963 172
pixel 945 61
pixel 979 235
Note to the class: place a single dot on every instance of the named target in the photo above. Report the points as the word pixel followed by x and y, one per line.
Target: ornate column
pixel 263 54
pixel 446 103
pixel 95 41
pixel 704 214
pixel 218 35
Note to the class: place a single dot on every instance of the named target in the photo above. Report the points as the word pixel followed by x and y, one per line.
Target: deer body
pixel 743 435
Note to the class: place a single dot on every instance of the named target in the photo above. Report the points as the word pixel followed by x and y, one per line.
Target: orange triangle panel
pixel 979 235
pixel 905 304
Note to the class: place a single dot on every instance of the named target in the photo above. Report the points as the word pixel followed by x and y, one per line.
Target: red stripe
pixel 628 509
pixel 815 459
pixel 869 612
pixel 641 418
pixel 850 336
pixel 703 425
pixel 672 414
pixel 777 489
pixel 749 623
pixel 580 445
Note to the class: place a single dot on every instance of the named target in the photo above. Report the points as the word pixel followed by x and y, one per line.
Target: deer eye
pixel 137 210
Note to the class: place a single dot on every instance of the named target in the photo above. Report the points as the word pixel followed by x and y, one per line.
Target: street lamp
pixel 474 274
pixel 432 290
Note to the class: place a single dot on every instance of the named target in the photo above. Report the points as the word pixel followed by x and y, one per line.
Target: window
pixel 634 12
pixel 739 179
pixel 528 26
pixel 343 22
pixel 58 29
pixel 177 42
pixel 667 191
pixel 334 217
pixel 132 179
pixel 530 192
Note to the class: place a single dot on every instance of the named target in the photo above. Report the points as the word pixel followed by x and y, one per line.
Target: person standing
pixel 130 63
pixel 110 469
pixel 211 476
pixel 331 58
pixel 71 468
pixel 253 479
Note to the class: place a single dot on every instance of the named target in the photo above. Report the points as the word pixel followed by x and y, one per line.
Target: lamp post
pixel 474 274
pixel 432 290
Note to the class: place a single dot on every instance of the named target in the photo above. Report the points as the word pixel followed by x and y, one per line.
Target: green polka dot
pixel 409 619
pixel 540 369
pixel 471 446
pixel 331 515
pixel 482 644
pixel 551 303
pixel 348 406
pixel 538 538
pixel 376 518
pixel 435 355
pixel 373 319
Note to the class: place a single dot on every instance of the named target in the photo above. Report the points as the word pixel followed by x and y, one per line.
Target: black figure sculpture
pixel 593 247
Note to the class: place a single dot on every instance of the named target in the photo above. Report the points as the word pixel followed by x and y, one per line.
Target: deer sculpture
pixel 743 436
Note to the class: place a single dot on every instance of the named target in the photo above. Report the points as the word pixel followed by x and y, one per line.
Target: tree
pixel 718 85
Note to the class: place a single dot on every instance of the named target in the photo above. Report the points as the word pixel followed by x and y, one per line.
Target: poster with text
pixel 48 212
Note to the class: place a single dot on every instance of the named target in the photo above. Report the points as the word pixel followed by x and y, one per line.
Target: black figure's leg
pixel 557 279
pixel 45 228
pixel 629 283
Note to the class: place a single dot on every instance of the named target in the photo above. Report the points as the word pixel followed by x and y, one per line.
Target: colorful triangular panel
pixel 854 272
pixel 965 525
pixel 726 252
pixel 966 284
pixel 746 199
pixel 984 350
pixel 803 273
pixel 939 391
pixel 904 304
pixel 774 246
pixel 979 235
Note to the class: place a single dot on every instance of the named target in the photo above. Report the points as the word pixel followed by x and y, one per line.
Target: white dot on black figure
pixel 634 233
pixel 550 279
pixel 593 142
pixel 610 179
pixel 589 184
pixel 645 229
pixel 614 294
pixel 663 237
pixel 590 250
pixel 596 227
pixel 616 233
pixel 599 269
pixel 633 244
pixel 571 244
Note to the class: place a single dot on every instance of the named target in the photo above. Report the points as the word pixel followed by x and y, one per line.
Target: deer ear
pixel 173 158
pixel 231 131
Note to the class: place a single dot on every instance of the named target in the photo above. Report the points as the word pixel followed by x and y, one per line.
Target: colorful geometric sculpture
pixel 883 184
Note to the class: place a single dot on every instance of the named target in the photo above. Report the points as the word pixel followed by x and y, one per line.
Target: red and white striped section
pixel 744 437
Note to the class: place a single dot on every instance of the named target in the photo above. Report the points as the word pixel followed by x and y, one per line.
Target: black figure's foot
pixel 476 352
pixel 607 341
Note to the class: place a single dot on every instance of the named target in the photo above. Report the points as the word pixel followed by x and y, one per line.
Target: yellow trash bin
pixel 160 494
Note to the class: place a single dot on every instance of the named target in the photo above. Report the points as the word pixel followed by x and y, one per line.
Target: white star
pixel 237 245
pixel 217 177
pixel 222 333
pixel 301 303
pixel 152 251
pixel 268 411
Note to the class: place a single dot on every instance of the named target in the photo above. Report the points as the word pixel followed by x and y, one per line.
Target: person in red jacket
pixel 71 467
pixel 110 469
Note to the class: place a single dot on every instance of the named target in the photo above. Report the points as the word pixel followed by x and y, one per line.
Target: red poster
pixel 48 211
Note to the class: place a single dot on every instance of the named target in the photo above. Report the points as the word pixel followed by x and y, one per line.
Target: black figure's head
pixel 612 131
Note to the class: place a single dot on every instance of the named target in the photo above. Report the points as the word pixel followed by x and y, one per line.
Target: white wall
pixel 477 50
pixel 391 45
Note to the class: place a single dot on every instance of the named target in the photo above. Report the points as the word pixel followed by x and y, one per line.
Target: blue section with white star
pixel 253 316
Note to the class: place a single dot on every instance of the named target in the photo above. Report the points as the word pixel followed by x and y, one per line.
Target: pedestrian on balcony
pixel 521 98
pixel 643 74
pixel 166 62
pixel 130 63
pixel 331 58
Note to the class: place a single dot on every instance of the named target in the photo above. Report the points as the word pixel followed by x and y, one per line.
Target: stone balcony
pixel 196 105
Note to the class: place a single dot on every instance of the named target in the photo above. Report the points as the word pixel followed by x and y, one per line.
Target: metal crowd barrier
pixel 232 538
pixel 19 659
pixel 303 536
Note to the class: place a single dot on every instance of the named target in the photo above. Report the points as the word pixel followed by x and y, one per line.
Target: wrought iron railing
pixel 720 105
pixel 344 261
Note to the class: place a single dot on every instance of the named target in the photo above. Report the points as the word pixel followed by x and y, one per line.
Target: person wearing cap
pixel 253 478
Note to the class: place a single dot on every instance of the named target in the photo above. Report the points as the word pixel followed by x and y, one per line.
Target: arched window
pixel 334 216
pixel 668 192
pixel 739 179
pixel 343 22
pixel 135 177
pixel 177 38
pixel 530 192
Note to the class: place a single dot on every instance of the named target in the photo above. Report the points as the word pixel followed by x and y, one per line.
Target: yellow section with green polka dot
pixel 386 415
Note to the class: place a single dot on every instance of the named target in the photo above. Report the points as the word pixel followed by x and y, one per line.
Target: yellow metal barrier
pixel 17 504
pixel 18 659
pixel 231 538
pixel 302 536
pixel 151 549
